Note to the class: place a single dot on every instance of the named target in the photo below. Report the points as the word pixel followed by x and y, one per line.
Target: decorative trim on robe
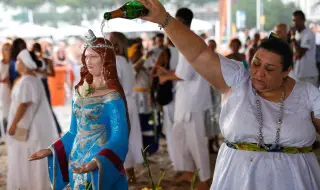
pixel 116 161
pixel 62 158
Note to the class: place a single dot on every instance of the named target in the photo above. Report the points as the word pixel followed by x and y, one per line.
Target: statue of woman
pixel 91 154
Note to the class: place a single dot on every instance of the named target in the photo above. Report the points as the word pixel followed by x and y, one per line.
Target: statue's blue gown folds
pixel 98 130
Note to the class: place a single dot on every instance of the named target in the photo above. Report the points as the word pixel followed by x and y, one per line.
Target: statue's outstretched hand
pixel 40 154
pixel 85 168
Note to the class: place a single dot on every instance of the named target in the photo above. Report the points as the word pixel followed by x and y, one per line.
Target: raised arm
pixel 194 49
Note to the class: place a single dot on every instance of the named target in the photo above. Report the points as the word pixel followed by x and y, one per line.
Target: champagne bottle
pixel 131 10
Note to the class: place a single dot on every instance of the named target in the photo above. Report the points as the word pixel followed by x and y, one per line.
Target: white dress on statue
pixel 248 170
pixel 22 174
pixel 126 77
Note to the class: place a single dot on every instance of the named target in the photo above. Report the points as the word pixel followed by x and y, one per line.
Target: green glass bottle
pixel 130 10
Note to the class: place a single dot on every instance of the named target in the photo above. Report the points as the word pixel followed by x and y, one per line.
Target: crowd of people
pixel 262 113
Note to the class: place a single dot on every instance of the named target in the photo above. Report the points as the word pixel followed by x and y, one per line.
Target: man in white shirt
pixel 304 47
pixel 188 133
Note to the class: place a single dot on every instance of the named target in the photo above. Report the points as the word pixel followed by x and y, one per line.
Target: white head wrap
pixel 26 58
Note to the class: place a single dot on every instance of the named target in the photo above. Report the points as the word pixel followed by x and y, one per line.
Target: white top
pixel 41 123
pixel 174 57
pixel 306 66
pixel 193 92
pixel 4 90
pixel 242 170
pixel 44 67
pixel 76 68
pixel 317 38
pixel 142 98
pixel 150 61
pixel 125 75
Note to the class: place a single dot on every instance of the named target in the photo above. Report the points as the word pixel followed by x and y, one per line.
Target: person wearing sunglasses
pixel 268 119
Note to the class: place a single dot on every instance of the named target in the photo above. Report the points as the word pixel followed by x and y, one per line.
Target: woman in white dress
pixel 126 77
pixel 29 110
pixel 268 119
pixel 4 89
pixel 46 70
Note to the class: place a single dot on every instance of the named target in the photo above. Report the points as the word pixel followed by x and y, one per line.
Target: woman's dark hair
pixel 36 48
pixel 17 45
pixel 34 58
pixel 281 48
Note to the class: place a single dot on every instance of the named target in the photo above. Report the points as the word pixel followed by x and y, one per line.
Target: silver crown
pixel 91 38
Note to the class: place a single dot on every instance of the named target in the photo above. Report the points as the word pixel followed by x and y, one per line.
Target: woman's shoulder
pixel 306 91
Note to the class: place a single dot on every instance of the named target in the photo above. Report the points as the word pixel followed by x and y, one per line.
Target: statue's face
pixel 93 62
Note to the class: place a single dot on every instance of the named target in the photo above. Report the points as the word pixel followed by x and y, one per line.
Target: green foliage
pixel 274 10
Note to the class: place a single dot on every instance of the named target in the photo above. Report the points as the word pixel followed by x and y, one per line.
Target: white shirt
pixel 44 67
pixel 193 92
pixel 38 117
pixel 76 68
pixel 243 170
pixel 174 59
pixel 150 61
pixel 125 75
pixel 4 90
pixel 306 66
pixel 142 81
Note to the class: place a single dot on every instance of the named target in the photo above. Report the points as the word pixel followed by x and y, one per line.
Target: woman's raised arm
pixel 194 49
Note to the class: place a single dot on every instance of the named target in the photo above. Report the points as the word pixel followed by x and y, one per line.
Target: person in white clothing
pixel 188 134
pixel 4 89
pixel 156 51
pixel 142 94
pixel 268 119
pixel 168 58
pixel 304 47
pixel 30 117
pixel 126 77
pixel 43 73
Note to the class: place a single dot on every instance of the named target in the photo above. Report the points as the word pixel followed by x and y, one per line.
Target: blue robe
pixel 98 130
pixel 13 74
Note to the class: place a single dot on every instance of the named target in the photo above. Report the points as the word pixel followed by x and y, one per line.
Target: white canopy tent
pixel 124 25
pixel 118 25
pixel 28 30
pixel 71 30
pixel 196 25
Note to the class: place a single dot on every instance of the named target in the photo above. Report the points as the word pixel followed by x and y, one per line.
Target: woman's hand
pixel 12 129
pixel 157 13
pixel 85 168
pixel 40 154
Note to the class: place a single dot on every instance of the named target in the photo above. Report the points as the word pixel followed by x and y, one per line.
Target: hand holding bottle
pixel 157 13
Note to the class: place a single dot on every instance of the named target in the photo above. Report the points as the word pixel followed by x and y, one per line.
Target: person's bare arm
pixel 50 71
pixel 316 123
pixel 160 62
pixel 299 51
pixel 138 65
pixel 193 48
pixel 19 114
